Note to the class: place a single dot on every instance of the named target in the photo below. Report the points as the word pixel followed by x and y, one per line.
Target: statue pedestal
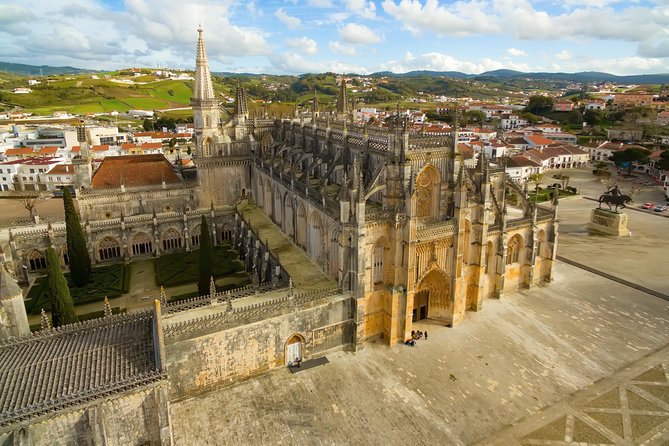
pixel 608 222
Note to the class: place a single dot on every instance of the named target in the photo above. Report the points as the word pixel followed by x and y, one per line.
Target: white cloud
pixel 87 34
pixel 362 8
pixel 520 19
pixel 253 9
pixel 514 52
pixel 303 44
pixel 358 34
pixel 290 21
pixel 563 55
pixel 294 63
pixel 435 61
pixel 340 48
pixel 320 3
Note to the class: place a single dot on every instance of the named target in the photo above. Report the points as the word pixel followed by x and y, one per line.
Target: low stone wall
pixel 201 363
pixel 135 418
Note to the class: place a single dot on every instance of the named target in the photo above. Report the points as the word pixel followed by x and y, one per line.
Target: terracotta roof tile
pixel 135 170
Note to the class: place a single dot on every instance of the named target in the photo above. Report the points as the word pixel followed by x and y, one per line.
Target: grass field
pixel 181 268
pixel 110 281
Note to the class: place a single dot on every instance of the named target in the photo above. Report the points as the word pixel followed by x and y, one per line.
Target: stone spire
pixel 342 106
pixel 241 107
pixel 203 88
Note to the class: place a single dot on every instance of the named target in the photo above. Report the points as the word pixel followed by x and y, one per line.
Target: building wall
pixel 201 363
pixel 132 419
pixel 222 181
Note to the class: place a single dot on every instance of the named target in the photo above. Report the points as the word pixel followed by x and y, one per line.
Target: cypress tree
pixel 62 308
pixel 206 259
pixel 80 261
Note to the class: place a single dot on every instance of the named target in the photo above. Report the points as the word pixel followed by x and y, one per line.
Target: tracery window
pixel 426 193
pixel 513 250
pixel 171 240
pixel 378 264
pixel 109 249
pixel 36 260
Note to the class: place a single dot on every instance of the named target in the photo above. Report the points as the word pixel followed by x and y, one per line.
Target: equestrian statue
pixel 614 197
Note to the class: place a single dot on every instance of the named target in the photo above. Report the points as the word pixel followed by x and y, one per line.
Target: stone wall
pixel 222 181
pixel 132 419
pixel 198 364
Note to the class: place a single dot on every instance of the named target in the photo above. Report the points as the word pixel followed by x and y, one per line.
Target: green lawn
pixel 182 267
pixel 110 281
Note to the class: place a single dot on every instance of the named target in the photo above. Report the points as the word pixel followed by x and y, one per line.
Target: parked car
pixel 660 208
pixel 648 205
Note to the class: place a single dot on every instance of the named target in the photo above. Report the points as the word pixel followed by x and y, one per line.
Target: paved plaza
pixel 582 360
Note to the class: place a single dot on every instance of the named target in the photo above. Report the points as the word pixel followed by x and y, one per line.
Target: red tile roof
pixel 152 145
pixel 48 150
pixel 134 170
pixel 19 151
pixel 521 161
pixel 100 148
pixel 61 169
pixel 538 140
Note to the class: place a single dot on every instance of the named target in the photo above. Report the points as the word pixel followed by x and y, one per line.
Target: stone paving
pixel 500 366
pixel 581 361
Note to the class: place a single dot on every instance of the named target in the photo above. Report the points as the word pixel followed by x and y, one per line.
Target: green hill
pixel 34 70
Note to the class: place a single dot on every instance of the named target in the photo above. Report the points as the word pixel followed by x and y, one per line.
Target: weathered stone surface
pixel 607 222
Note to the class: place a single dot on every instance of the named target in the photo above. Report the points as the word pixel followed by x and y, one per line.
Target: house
pixel 604 151
pixel 595 104
pixel 563 106
pixel 59 176
pixel 663 118
pixel 566 138
pixel 25 174
pixel 47 152
pixel 520 167
pixel 626 100
pixel 105 135
pixel 22 90
pixel 16 153
pixel 548 128
pixel 510 122
pixel 538 141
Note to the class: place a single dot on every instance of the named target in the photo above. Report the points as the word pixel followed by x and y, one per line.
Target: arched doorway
pixel 432 298
pixel 294 349
pixel 142 244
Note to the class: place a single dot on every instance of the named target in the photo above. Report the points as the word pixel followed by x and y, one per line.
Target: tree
pixel 663 163
pixel 536 179
pixel 29 202
pixel 62 308
pixel 538 104
pixel 472 116
pixel 594 117
pixel 626 158
pixel 206 259
pixel 77 251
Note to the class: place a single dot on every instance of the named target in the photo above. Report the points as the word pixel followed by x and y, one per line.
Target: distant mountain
pixel 424 73
pixel 34 70
pixel 584 76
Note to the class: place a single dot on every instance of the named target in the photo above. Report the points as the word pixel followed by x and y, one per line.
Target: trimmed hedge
pixel 182 267
pixel 219 289
pixel 111 281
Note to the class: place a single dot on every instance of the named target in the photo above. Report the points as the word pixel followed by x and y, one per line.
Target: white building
pixel 511 122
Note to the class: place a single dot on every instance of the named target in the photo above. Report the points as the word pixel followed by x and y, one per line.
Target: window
pixel 378 264
pixel 32 170
pixel 36 260
pixel 109 249
pixel 57 178
pixel 513 250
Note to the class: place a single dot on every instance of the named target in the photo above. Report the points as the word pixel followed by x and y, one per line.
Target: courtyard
pixel 583 360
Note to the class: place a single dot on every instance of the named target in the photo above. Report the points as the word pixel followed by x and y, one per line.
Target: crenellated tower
pixel 206 113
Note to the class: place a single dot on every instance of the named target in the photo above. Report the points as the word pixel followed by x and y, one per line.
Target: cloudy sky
pixel 363 36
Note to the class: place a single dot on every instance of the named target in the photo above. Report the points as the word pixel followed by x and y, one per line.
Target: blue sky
pixel 363 36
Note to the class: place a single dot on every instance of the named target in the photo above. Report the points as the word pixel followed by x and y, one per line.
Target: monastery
pixel 350 234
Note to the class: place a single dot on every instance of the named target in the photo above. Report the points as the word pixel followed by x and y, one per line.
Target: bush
pixel 110 281
pixel 182 268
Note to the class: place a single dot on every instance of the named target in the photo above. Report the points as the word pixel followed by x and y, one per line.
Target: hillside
pixel 34 70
